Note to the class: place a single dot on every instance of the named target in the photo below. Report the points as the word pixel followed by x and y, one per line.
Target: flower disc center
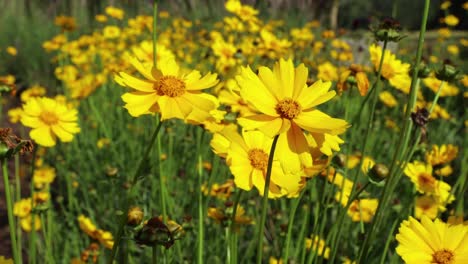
pixel 49 118
pixel 288 108
pixel 258 159
pixel 443 256
pixel 170 86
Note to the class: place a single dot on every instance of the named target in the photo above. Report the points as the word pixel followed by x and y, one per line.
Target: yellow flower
pixel 451 20
pixel 115 12
pixel 363 210
pixel 4 260
pixel 426 205
pixel 11 50
pixel 168 90
pixel 354 75
pixel 102 142
pixel 395 71
pixel 26 223
pixel 367 164
pixel 65 22
pixel 33 91
pixel 421 175
pixel 105 238
pixel 271 260
pixel 318 245
pixel 100 18
pixel 441 154
pixel 220 191
pixel 22 208
pixel 327 72
pixel 445 5
pixel 444 32
pixel 43 176
pixel 144 52
pixel 248 160
pixel 453 49
pixel 283 98
pixel 447 90
pixel 49 120
pixel 387 98
pixel 111 32
pixel 432 242
pixel 14 114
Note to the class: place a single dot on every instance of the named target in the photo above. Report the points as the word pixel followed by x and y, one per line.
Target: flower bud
pixel 388 30
pixel 448 73
pixel 378 173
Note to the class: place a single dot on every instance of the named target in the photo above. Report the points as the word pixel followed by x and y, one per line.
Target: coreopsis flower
pixel 426 206
pixel 220 191
pixel 317 244
pixel 168 90
pixel 421 175
pixel 272 46
pixel 354 76
pixel 395 71
pixel 388 99
pixel 282 99
pixel 12 50
pixel 65 22
pixel 223 215
pixel 49 120
pixel 433 83
pixel 115 12
pixel 451 20
pixel 43 176
pixel 432 242
pixel 27 225
pixel 327 72
pixel 111 32
pixel 144 52
pixel 248 161
pixel 22 208
pixel 442 154
pixel 33 91
pixel 363 210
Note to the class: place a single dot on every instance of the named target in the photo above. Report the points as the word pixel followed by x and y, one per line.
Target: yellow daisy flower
pixel 395 71
pixel 363 210
pixel 426 205
pixel 432 242
pixel 49 119
pixel 442 154
pixel 283 98
pixel 421 175
pixel 168 90
pixel 318 245
pixel 451 20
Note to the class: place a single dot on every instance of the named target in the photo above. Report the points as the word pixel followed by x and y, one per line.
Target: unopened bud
pixel 388 30
pixel 340 160
pixel 448 73
pixel 378 173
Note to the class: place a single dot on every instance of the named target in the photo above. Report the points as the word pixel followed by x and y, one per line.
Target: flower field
pixel 155 133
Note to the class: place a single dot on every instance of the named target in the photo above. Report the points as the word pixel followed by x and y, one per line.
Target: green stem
pixel 265 201
pixel 17 198
pixel 162 184
pixel 123 220
pixel 154 255
pixel 201 211
pixel 292 214
pixel 11 220
pixel 32 238
pixel 401 148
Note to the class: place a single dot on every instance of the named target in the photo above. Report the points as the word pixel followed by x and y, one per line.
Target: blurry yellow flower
pixel 223 215
pixel 317 244
pixel 444 171
pixel 327 72
pixel 395 71
pixel 163 14
pixel 367 164
pixel 387 98
pixel 445 5
pixel 453 49
pixel 444 32
pixel 442 154
pixel 426 205
pixel 87 226
pixel 115 12
pixel 465 5
pixel 11 50
pixel 220 191
pixel 432 242
pixel 271 260
pixel 26 223
pixel 354 75
pixel 447 90
pixel 244 12
pixel 168 90
pixel 111 32
pixel 33 91
pixel 105 238
pixel 65 22
pixel 4 260
pixel 100 18
pixel 328 34
pixel 102 142
pixel 144 52
pixel 451 20
pixel 22 208
pixel 49 120
pixel 14 114
pixel 363 210
pixel 43 176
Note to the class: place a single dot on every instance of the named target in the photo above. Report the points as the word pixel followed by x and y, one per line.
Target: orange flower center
pixel 49 118
pixel 426 181
pixel 258 159
pixel 170 86
pixel 443 256
pixel 288 108
pixel 387 71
